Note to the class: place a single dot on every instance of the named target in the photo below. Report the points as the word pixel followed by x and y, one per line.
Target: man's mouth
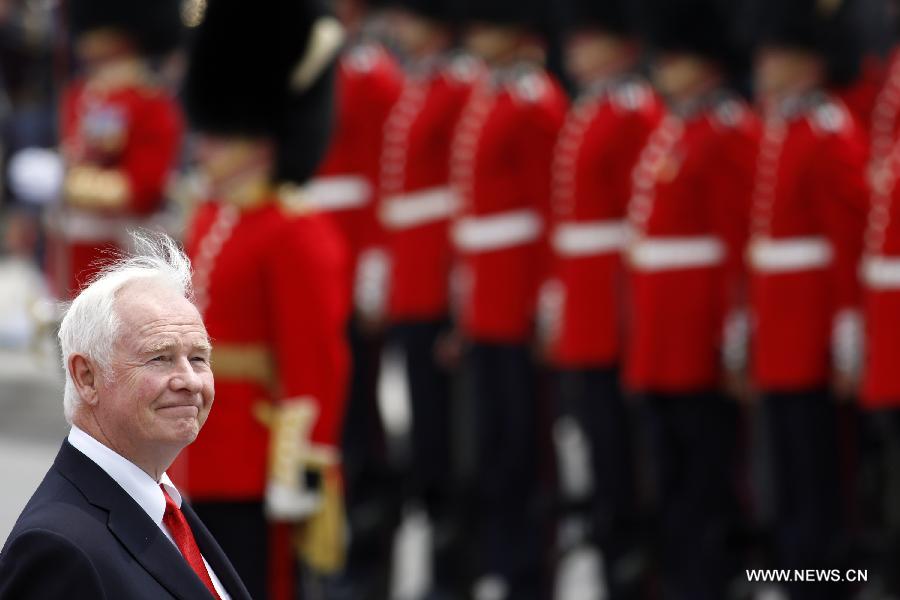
pixel 186 409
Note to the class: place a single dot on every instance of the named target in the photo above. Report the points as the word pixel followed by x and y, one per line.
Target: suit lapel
pixel 215 556
pixel 134 529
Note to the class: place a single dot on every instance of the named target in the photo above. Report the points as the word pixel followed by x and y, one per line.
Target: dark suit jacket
pixel 82 536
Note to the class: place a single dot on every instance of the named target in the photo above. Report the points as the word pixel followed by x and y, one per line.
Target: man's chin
pixel 184 431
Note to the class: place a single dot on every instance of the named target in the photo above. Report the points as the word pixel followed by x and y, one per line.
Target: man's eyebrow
pixel 158 347
pixel 162 346
pixel 203 345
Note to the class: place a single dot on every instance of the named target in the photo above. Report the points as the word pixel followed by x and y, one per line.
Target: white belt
pixel 498 231
pixel 789 254
pixel 338 193
pixel 589 238
pixel 881 272
pixel 671 253
pixel 82 226
pixel 418 208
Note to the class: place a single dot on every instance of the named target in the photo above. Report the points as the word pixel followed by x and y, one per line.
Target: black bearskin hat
pixel 154 25
pixel 704 27
pixel 829 28
pixel 266 69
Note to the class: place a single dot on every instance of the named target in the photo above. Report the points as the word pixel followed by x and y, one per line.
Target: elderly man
pixel 107 522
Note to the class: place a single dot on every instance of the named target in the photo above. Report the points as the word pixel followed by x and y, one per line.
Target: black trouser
pixel 371 491
pixel 593 398
pixel 806 477
pixel 501 386
pixel 693 438
pixel 431 474
pixel 880 497
pixel 241 529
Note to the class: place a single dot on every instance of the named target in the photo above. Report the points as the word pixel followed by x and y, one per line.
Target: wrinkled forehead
pixel 150 312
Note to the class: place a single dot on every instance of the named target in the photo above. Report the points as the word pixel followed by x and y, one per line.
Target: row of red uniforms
pixel 657 245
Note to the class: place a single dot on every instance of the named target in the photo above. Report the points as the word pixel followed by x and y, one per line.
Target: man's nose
pixel 186 378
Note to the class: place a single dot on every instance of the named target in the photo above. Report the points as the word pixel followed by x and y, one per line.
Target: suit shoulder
pixel 67 517
pixel 32 553
pixel 58 505
pixel 39 534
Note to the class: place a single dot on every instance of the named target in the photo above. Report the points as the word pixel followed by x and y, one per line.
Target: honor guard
pixel 688 217
pixel 345 189
pixel 880 390
pixel 416 204
pixel 345 186
pixel 808 215
pixel 500 169
pixel 120 132
pixel 270 281
pixel 580 307
pixel 885 118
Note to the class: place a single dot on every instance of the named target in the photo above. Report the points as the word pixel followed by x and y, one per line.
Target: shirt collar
pixel 136 483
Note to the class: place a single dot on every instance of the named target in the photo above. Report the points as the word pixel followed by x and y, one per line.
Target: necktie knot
pixel 171 508
pixel 178 526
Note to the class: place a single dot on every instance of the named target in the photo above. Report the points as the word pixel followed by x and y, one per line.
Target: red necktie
pixel 184 539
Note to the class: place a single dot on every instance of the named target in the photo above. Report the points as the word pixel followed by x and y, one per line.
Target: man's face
pixel 412 32
pixel 676 74
pixel 492 42
pixel 591 51
pixel 99 45
pixel 225 161
pixel 777 70
pixel 159 388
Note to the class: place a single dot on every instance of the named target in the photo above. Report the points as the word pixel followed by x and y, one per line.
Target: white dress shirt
pixel 138 485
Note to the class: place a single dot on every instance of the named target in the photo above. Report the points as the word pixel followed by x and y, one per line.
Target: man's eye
pixel 200 359
pixel 159 359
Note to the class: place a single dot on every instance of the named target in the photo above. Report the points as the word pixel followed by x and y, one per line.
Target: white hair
pixel 90 326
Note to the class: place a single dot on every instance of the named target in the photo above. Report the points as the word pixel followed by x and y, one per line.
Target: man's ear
pixel 86 376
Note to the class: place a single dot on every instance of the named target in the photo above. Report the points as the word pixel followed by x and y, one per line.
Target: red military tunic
pixel 270 282
pixel 368 84
pixel 881 279
pixel 688 214
pixel 596 152
pixel 416 200
pixel 881 380
pixel 884 124
pixel 131 131
pixel 865 93
pixel 809 210
pixel 500 168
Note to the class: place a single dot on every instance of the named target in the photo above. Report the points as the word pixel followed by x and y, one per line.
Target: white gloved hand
pixel 370 287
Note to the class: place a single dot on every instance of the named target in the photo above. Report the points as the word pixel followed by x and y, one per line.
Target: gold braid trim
pixel 92 187
pixel 242 362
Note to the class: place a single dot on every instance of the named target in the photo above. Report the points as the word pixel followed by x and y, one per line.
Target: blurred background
pixel 573 428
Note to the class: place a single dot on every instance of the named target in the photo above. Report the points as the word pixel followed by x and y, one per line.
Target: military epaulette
pixel 829 117
pixel 729 113
pixel 530 86
pixel 362 58
pixel 463 68
pixel 631 95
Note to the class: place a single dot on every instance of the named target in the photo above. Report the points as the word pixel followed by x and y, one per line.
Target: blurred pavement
pixel 31 427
